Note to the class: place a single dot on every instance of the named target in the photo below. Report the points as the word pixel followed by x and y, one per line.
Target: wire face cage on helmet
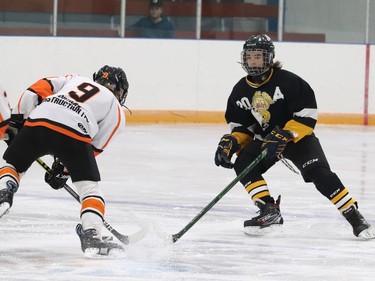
pixel 262 44
pixel 113 78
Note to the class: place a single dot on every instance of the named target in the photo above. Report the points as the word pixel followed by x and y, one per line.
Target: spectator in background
pixel 155 25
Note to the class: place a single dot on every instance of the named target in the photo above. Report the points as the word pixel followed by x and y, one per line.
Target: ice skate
pixel 361 228
pixel 93 246
pixel 268 220
pixel 6 197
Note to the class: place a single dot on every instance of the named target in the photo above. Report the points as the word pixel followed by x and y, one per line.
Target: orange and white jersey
pixel 5 111
pixel 75 106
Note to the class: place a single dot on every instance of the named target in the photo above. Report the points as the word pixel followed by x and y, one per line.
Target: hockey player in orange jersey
pixel 4 112
pixel 72 118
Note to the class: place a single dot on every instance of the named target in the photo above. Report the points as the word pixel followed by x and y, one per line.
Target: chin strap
pixel 131 113
pixel 260 79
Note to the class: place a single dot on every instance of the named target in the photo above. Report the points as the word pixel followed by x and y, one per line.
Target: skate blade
pixel 94 253
pixel 4 209
pixel 367 234
pixel 107 238
pixel 258 231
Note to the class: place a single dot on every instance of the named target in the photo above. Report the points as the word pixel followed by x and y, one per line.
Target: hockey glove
pixel 228 145
pixel 58 176
pixel 276 141
pixel 15 124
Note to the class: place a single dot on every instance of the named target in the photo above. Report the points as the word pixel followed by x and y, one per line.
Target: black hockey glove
pixel 58 176
pixel 276 141
pixel 15 124
pixel 228 145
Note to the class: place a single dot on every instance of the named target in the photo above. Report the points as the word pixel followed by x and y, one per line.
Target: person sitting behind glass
pixel 155 25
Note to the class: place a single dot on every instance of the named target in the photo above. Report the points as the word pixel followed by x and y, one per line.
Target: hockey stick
pixel 287 164
pixel 174 237
pixel 125 239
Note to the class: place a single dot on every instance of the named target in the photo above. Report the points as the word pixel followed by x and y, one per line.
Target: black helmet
pixel 113 78
pixel 258 43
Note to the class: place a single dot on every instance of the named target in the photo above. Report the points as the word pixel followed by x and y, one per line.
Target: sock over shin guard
pixel 93 205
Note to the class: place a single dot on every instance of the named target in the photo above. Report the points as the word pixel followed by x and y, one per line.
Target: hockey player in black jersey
pixel 275 109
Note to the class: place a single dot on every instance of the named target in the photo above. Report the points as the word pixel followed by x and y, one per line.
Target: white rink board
pixel 185 74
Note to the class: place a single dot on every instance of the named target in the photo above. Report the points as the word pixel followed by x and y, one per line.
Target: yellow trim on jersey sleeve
pixel 242 138
pixel 298 129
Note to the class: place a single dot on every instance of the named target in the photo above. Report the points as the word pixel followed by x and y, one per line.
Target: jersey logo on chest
pixel 260 105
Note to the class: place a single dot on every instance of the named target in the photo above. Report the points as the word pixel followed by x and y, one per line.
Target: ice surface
pixel 164 175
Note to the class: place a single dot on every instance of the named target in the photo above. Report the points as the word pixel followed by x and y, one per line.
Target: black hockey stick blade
pixel 125 239
pixel 172 238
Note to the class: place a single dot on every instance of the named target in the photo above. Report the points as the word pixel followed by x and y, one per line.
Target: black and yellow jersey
pixel 283 99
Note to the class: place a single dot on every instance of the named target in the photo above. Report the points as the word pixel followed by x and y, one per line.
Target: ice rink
pixel 164 175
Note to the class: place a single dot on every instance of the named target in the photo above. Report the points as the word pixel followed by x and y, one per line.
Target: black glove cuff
pixel 16 121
